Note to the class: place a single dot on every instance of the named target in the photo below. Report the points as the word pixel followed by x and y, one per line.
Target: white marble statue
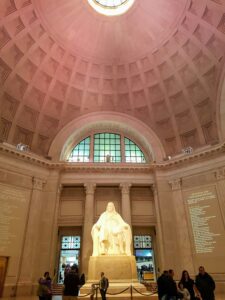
pixel 110 234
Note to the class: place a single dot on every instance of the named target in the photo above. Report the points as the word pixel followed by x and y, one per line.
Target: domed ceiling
pixel 159 62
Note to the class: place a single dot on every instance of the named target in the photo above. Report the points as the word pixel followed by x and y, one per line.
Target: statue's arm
pixel 99 223
pixel 123 223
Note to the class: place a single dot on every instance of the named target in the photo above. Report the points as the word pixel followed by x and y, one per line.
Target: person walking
pixel 103 285
pixel 71 283
pixel 205 284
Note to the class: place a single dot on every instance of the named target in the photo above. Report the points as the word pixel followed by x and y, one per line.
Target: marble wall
pixel 39 200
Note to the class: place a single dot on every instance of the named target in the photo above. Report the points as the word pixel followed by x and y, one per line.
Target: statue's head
pixel 110 207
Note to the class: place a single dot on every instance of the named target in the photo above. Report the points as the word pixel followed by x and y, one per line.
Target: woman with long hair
pixel 188 284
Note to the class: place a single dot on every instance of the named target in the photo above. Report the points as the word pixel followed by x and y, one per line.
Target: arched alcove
pixel 75 130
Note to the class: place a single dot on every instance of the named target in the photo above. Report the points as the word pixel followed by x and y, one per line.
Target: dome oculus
pixel 111 7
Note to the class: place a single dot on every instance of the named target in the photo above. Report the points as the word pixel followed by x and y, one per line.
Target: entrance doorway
pixel 69 255
pixel 144 254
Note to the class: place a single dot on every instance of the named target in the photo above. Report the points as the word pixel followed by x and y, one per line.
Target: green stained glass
pixel 107 144
pixel 133 153
pixel 81 152
pixel 107 148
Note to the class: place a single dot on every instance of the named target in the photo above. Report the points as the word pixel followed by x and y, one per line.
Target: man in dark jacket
pixel 205 284
pixel 71 282
pixel 162 284
pixel 172 287
pixel 103 285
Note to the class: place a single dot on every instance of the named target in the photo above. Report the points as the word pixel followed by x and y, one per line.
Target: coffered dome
pixel 160 62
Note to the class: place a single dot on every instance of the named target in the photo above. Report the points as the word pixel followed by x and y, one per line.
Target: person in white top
pixel 183 291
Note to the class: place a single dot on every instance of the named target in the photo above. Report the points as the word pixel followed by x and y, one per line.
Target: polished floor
pixel 218 297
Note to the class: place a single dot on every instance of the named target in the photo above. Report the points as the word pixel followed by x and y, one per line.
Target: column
pixel 87 244
pixel 48 225
pixel 126 207
pixel 183 239
pixel 159 235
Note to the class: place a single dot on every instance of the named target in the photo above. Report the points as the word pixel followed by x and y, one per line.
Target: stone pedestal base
pixel 119 268
pixel 121 271
pixel 125 291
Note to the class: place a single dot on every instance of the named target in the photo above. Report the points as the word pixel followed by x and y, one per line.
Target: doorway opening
pixel 144 254
pixel 69 255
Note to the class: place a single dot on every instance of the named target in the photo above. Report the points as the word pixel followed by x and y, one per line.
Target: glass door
pixel 144 257
pixel 69 255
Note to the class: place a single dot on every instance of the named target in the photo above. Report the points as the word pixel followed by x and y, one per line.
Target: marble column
pixel 185 259
pixel 159 235
pixel 30 249
pixel 87 244
pixel 126 206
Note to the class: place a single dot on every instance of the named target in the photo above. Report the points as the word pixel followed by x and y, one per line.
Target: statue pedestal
pixel 121 271
pixel 118 268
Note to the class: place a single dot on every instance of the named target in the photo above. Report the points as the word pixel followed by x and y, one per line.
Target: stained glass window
pixel 70 242
pixel 133 153
pixel 142 241
pixel 107 147
pixel 81 153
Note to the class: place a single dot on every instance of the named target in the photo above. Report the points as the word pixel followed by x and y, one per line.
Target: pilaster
pixel 183 239
pixel 159 238
pixel 31 240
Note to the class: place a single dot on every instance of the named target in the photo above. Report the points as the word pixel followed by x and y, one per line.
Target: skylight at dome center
pixel 111 7
pixel 111 3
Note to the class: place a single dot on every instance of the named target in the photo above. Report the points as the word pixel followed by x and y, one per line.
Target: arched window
pixel 107 147
pixel 133 153
pixel 81 153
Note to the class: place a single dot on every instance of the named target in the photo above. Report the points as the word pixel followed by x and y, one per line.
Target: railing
pixel 95 289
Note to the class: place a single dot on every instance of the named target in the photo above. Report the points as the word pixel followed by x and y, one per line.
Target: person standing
pixel 162 284
pixel 205 284
pixel 172 287
pixel 71 283
pixel 188 283
pixel 45 287
pixel 103 285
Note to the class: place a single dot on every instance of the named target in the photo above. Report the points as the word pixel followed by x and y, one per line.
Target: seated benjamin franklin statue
pixel 110 234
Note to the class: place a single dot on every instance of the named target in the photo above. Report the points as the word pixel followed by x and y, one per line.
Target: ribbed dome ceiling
pixel 160 62
pixel 110 39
